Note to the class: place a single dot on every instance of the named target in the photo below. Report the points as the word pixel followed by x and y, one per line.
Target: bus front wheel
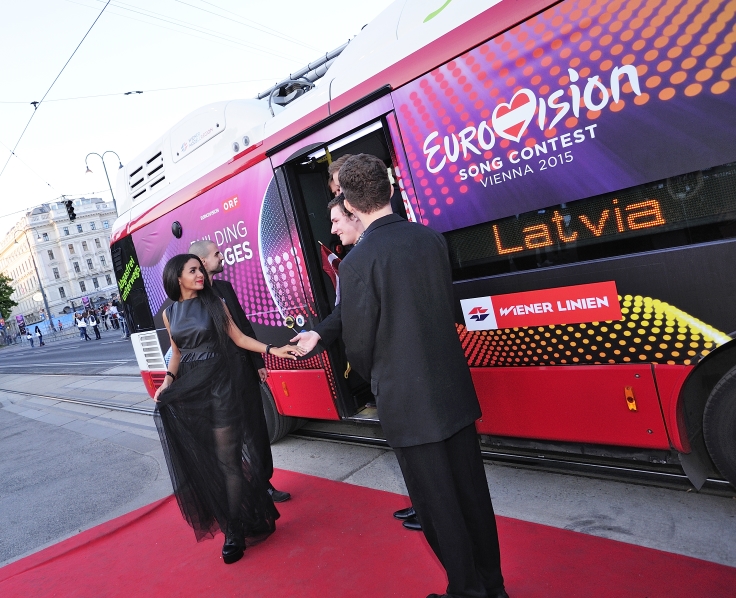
pixel 719 426
pixel 278 425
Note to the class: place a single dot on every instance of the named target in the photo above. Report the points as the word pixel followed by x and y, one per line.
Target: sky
pixel 136 45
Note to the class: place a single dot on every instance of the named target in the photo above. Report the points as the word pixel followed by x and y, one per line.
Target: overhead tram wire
pixel 12 153
pixel 38 105
pixel 125 93
pixel 256 26
pixel 240 16
pixel 110 12
pixel 60 197
pixel 187 25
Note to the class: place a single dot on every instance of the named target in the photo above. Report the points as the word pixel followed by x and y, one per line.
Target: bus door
pixel 303 181
pixel 305 388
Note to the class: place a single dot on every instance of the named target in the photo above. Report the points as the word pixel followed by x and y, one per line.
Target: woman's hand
pixel 164 386
pixel 287 352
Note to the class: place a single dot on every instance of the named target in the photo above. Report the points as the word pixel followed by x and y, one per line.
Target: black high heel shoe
pixel 234 547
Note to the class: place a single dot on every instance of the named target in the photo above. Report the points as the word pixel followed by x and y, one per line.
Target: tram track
pixel 554 464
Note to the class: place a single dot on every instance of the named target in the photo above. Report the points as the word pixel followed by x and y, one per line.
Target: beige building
pixel 72 258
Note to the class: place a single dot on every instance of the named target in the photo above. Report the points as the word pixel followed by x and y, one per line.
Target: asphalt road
pixel 72 356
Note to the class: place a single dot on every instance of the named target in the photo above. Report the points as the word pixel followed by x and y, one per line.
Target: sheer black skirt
pixel 202 425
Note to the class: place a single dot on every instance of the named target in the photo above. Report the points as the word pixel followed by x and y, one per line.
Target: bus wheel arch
pixel 695 395
pixel 278 425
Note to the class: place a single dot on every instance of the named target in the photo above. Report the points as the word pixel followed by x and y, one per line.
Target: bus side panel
pixel 572 404
pixel 303 393
pixel 670 379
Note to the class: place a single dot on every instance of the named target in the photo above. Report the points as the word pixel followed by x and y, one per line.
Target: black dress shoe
pixel 278 495
pixel 405 513
pixel 234 547
pixel 413 524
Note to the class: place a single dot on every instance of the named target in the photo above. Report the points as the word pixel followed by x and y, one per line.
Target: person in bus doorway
pixel 397 293
pixel 332 172
pixel 350 230
pixel 201 417
pixel 39 336
pixel 254 368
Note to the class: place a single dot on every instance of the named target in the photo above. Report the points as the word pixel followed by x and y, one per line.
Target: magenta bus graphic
pixel 581 100
pixel 243 216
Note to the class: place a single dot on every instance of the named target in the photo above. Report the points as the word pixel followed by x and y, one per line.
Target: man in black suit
pixel 398 326
pixel 346 226
pixel 254 368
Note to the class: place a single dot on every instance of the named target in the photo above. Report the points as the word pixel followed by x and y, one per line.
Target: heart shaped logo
pixel 512 119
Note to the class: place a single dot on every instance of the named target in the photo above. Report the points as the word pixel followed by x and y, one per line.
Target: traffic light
pixel 70 210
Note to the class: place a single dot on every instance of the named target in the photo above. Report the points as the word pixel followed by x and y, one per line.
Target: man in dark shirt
pixel 398 326
pixel 254 368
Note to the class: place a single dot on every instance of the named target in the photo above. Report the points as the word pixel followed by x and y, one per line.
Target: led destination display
pixel 673 204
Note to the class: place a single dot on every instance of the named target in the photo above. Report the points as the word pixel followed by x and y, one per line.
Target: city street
pixel 111 354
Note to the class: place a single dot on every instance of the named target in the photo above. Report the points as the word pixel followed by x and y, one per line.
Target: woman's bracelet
pixel 268 350
pixel 173 377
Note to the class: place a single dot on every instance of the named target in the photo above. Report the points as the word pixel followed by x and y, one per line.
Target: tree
pixel 6 290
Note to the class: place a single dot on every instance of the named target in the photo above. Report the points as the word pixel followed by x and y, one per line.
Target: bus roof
pixel 216 141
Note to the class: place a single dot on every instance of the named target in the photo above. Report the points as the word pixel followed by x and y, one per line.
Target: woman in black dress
pixel 200 414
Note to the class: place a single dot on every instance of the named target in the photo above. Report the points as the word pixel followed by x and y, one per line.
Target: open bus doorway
pixel 307 181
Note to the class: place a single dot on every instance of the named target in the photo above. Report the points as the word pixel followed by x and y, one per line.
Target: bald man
pixel 259 447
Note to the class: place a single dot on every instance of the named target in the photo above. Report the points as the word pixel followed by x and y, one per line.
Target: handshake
pixel 306 341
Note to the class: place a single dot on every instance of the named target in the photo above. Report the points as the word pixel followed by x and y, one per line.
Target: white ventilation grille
pixel 144 178
pixel 148 351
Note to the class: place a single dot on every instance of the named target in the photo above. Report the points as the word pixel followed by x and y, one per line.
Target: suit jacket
pixel 226 291
pixel 331 327
pixel 398 326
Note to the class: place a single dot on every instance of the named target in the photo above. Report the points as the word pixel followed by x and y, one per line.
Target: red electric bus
pixel 578 156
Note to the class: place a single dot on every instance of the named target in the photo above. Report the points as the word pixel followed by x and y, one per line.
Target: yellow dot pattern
pixel 651 331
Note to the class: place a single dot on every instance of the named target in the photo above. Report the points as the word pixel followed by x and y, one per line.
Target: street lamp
pixel 38 278
pixel 102 158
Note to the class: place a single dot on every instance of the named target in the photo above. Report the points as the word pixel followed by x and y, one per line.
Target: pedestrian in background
pixel 82 326
pixel 29 337
pixel 59 324
pixel 113 311
pixel 40 337
pixel 92 321
pixel 105 316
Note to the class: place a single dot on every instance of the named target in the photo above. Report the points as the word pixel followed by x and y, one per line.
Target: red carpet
pixel 337 541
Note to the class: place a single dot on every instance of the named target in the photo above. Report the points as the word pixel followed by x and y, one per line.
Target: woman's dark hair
pixel 37 330
pixel 172 271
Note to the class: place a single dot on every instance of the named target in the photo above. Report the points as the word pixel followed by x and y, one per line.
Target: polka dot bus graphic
pixel 650 331
pixel 585 98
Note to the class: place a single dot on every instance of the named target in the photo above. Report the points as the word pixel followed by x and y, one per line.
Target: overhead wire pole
pixel 36 105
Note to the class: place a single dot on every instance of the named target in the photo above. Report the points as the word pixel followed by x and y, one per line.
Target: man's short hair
pixel 336 165
pixel 201 248
pixel 339 201
pixel 364 181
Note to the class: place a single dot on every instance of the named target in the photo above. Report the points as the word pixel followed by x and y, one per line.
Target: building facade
pixel 72 259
